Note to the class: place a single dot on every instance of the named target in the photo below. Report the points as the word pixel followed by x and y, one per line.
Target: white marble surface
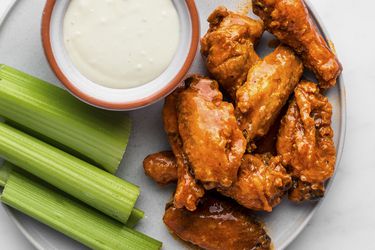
pixel 346 219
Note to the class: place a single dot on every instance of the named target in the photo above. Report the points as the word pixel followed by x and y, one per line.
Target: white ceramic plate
pixel 20 47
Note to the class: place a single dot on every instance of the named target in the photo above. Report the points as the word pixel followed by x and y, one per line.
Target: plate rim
pixel 339 147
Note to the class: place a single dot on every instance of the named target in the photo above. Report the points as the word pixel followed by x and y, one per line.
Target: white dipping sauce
pixel 121 43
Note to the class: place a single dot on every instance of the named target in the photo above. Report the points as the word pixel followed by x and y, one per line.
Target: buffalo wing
pixel 269 84
pixel 290 22
pixel 305 138
pixel 228 47
pixel 262 181
pixel 211 139
pixel 188 191
pixel 218 224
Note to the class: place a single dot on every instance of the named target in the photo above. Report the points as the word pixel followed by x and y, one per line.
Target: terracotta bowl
pixel 119 99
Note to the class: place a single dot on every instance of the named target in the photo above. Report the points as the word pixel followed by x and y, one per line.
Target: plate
pixel 20 47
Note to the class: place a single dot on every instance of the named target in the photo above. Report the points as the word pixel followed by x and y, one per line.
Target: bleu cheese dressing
pixel 121 43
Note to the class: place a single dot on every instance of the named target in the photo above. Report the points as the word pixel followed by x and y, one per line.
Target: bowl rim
pixel 126 105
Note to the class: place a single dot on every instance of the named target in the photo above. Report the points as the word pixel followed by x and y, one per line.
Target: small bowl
pixel 119 99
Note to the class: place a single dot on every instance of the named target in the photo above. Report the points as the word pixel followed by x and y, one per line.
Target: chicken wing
pixel 188 191
pixel 290 22
pixel 262 181
pixel 211 139
pixel 218 224
pixel 228 47
pixel 267 89
pixel 305 138
pixel 161 167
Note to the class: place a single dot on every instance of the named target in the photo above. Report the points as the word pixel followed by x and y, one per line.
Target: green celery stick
pixel 55 116
pixel 97 188
pixel 70 217
pixel 135 216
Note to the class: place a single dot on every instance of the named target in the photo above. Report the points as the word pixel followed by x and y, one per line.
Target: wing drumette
pixel 305 139
pixel 229 47
pixel 290 22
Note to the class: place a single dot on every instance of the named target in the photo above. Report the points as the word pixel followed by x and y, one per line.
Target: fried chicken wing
pixel 290 22
pixel 161 167
pixel 188 191
pixel 228 47
pixel 218 224
pixel 305 138
pixel 262 181
pixel 211 139
pixel 269 84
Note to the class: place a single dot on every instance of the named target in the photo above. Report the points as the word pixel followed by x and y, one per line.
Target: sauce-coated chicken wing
pixel 269 84
pixel 211 139
pixel 305 138
pixel 262 181
pixel 290 22
pixel 188 191
pixel 161 167
pixel 228 47
pixel 218 224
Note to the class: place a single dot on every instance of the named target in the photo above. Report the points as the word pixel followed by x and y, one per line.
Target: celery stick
pixel 52 114
pixel 99 189
pixel 70 217
pixel 135 216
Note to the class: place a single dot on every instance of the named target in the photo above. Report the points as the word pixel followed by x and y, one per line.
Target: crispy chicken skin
pixel 218 224
pixel 188 191
pixel 211 139
pixel 305 191
pixel 269 84
pixel 305 138
pixel 228 47
pixel 290 22
pixel 262 181
pixel 161 167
